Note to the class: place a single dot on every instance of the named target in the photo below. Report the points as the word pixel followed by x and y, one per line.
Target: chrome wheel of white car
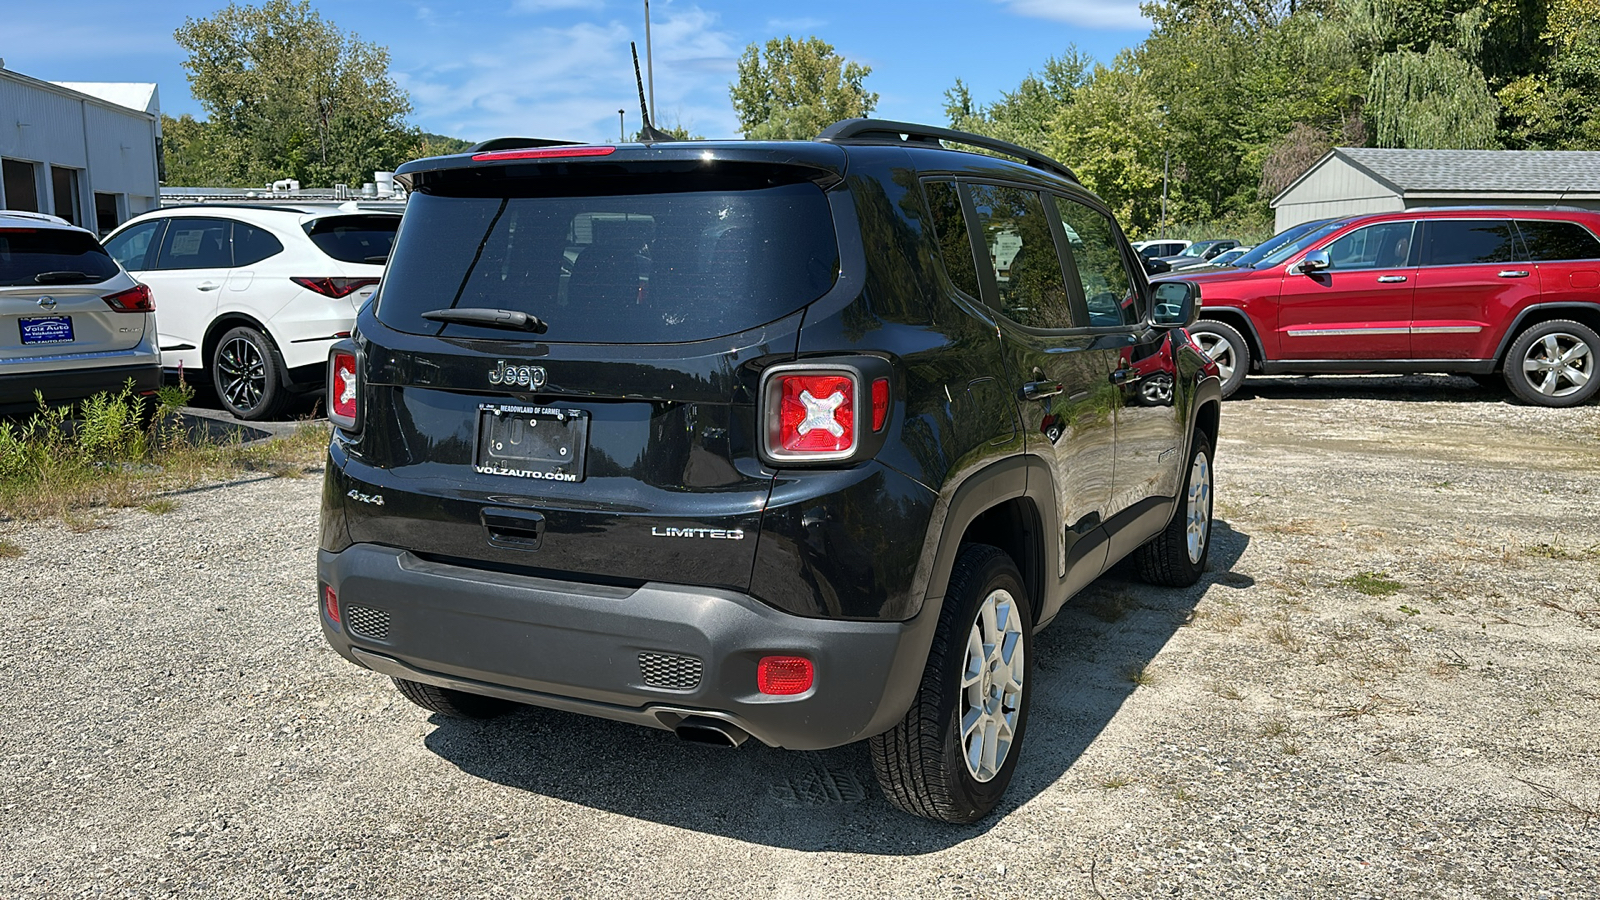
pixel 991 685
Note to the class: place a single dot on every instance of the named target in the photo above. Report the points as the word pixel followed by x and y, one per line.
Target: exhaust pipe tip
pixel 710 731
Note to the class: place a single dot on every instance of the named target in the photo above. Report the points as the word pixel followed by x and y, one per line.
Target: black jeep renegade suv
pixel 799 441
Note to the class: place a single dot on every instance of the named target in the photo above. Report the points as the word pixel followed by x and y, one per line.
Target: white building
pixel 1354 180
pixel 86 152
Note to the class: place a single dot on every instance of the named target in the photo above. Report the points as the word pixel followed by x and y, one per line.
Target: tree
pixel 796 89
pixel 290 95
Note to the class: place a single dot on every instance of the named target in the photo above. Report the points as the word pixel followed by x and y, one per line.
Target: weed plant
pixel 117 449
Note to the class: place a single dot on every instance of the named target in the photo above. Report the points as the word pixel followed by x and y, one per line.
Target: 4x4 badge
pixel 512 376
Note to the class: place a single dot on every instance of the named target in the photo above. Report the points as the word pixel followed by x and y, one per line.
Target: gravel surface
pixel 1386 687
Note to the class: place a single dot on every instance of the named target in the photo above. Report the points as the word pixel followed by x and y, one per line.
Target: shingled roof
pixel 1530 171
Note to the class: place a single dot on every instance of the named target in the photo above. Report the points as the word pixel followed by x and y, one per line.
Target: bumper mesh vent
pixel 367 622
pixel 670 672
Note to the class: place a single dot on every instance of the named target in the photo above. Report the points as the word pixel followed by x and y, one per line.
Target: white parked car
pixel 72 322
pixel 1159 248
pixel 252 296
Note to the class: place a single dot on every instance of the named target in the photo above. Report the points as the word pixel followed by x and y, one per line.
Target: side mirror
pixel 1177 304
pixel 1154 266
pixel 1315 261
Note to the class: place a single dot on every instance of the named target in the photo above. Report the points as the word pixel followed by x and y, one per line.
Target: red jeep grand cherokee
pixel 1473 291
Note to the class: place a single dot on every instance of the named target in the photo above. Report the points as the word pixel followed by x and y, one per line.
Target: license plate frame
pixel 520 441
pixel 45 330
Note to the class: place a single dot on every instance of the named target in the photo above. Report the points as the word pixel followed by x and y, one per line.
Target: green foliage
pixel 1432 100
pixel 795 89
pixel 287 95
pixel 429 144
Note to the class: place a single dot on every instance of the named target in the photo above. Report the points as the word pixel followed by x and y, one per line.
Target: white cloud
pixel 569 81
pixel 1108 14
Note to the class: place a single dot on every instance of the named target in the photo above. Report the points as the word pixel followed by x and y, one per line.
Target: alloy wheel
pixel 1220 349
pixel 243 371
pixel 1198 514
pixel 1558 364
pixel 991 685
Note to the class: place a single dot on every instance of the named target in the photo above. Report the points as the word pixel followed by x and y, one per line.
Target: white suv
pixel 72 323
pixel 252 296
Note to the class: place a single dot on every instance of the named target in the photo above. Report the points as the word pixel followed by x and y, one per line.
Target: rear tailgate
pixel 619 446
pixel 52 285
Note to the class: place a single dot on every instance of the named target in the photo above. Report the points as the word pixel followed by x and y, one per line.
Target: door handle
pixel 1039 390
pixel 209 285
pixel 1391 279
pixel 1514 273
pixel 1124 376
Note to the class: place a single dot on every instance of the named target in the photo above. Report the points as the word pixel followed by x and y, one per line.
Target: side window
pixel 132 247
pixel 1465 242
pixel 1108 288
pixel 1549 241
pixel 1385 246
pixel 251 244
pixel 950 230
pixel 1027 271
pixel 196 244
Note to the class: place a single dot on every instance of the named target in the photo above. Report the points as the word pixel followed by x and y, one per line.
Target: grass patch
pixel 1571 554
pixel 1142 676
pixel 1116 781
pixel 114 455
pixel 1373 584
pixel 10 549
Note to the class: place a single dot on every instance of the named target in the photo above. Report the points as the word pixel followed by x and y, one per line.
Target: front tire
pixel 1177 556
pixel 1553 364
pixel 1227 348
pixel 245 372
pixel 953 754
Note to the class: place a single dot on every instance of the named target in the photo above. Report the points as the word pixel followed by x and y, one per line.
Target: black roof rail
pixel 515 143
pixel 883 130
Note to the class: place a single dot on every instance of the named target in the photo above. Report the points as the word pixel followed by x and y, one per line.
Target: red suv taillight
pixel 136 299
pixel 336 288
pixel 344 389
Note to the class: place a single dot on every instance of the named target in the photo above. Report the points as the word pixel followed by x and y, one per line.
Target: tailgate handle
pixel 518 529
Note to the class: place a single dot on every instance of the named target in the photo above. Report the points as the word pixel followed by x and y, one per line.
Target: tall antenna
pixel 648 132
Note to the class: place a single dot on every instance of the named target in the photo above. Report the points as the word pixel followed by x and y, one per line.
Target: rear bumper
pixel 17 391
pixel 578 647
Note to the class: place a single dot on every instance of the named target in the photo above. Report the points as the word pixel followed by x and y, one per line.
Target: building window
pixel 64 190
pixel 21 191
pixel 107 212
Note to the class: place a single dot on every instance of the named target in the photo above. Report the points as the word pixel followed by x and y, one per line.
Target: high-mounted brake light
pixel 335 288
pixel 136 299
pixel 344 395
pixel 783 676
pixel 543 153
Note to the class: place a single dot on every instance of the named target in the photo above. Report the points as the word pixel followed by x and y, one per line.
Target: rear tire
pixel 1177 556
pixel 246 374
pixel 1228 348
pixel 453 703
pixel 1553 364
pixel 953 754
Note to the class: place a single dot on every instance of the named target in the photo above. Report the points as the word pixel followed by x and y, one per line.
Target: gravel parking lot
pixel 1386 687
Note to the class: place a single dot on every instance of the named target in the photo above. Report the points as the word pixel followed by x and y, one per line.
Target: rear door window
pixel 252 245
pixel 52 256
pixel 1466 242
pixel 609 268
pixel 1548 241
pixel 196 244
pixel 132 247
pixel 1022 252
pixel 354 239
pixel 950 228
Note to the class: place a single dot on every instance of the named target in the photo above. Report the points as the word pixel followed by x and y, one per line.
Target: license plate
pixel 46 330
pixel 531 441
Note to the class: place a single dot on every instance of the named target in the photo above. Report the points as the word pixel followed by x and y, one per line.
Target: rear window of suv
pixel 1550 241
pixel 658 266
pixel 52 256
pixel 354 239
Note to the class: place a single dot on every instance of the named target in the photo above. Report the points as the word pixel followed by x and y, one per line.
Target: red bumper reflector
pixel 543 153
pixel 781 676
pixel 880 403
pixel 330 603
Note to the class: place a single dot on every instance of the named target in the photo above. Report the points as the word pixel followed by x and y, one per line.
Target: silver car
pixel 72 322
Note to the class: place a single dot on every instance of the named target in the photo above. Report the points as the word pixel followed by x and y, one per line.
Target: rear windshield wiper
pixel 509 319
pixel 61 277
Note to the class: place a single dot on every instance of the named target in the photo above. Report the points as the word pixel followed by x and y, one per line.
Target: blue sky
pixel 478 69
